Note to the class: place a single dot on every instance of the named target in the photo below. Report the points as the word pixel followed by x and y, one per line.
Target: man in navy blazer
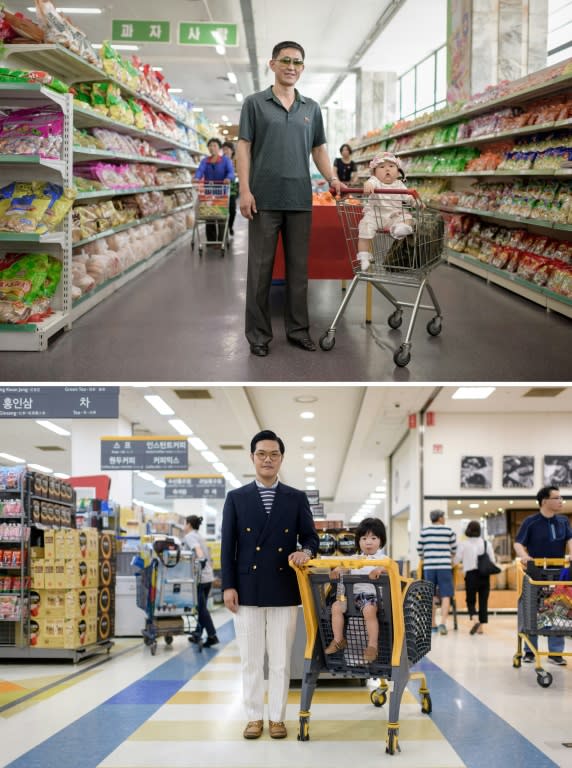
pixel 263 523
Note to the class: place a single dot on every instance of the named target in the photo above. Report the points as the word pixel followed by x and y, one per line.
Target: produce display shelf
pixel 133 191
pixel 86 153
pixel 30 337
pixel 501 172
pixel 129 224
pixel 31 237
pixel 544 223
pixel 31 160
pixel 30 94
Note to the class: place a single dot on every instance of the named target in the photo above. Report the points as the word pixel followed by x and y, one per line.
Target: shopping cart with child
pixel 404 263
pixel 544 609
pixel 404 614
pixel 212 210
pixel 167 591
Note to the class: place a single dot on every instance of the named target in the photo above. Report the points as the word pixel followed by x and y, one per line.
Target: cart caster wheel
pixel 402 357
pixel 378 697
pixel 153 648
pixel 392 745
pixel 394 321
pixel 222 251
pixel 304 732
pixel 544 679
pixel 517 661
pixel 200 251
pixel 434 326
pixel 327 341
pixel 426 704
pixel 168 639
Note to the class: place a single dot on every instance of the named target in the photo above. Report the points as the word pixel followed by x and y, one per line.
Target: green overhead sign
pixel 126 30
pixel 199 33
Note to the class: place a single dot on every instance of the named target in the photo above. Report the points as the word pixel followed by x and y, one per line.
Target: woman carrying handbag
pixel 477 570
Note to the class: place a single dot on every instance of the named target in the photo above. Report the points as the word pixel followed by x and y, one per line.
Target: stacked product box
pixel 106 586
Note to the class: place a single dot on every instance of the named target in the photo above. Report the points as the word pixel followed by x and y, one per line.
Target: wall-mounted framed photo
pixel 517 471
pixel 476 471
pixel 558 471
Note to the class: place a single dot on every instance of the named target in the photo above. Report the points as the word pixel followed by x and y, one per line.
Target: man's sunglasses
pixel 286 61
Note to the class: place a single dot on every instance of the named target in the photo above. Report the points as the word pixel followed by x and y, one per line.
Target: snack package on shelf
pixel 27 284
pixel 15 27
pixel 560 280
pixel 58 29
pixel 23 205
pixel 34 131
pixel 35 77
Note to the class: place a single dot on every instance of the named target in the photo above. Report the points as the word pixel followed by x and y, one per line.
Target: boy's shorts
pixel 442 578
pixel 364 598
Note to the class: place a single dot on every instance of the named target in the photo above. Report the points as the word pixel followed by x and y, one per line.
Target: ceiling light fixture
pixel 457 511
pixel 307 415
pixel 220 49
pixel 53 427
pixel 474 506
pixel 239 97
pixel 224 118
pixel 160 483
pixel 308 439
pixel 157 69
pixel 41 468
pixel 180 426
pixel 197 444
pixel 72 10
pixel 160 405
pixel 175 90
pixel 220 467
pixel 209 456
pixel 308 456
pixel 145 476
pixel 15 459
pixel 198 109
pixel 309 470
pixel 472 393
pixel 232 77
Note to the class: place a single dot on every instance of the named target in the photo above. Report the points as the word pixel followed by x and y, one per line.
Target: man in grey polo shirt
pixel 279 129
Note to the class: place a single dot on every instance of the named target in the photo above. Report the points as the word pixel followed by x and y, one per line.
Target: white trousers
pixel 261 631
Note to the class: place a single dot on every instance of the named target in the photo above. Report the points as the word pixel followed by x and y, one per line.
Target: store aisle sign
pixel 59 402
pixel 198 33
pixel 194 487
pixel 140 31
pixel 150 453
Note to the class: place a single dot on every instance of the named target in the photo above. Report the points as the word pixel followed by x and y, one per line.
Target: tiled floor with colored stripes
pixel 183 708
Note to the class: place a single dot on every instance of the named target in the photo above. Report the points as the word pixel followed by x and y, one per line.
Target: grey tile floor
pixel 183 321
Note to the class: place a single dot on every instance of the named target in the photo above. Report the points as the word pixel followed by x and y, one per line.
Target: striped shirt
pixel 267 494
pixel 436 545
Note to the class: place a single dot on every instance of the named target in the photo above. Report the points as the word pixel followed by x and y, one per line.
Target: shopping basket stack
pixel 405 263
pixel 404 614
pixel 544 610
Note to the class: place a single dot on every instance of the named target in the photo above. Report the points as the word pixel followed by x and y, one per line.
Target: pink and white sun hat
pixel 387 157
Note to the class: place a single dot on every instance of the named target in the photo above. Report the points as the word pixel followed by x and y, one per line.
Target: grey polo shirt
pixel 280 153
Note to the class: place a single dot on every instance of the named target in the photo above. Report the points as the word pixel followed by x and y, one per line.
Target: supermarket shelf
pixel 33 160
pixel 31 337
pixel 93 298
pixel 30 94
pixel 31 237
pixel 86 153
pixel 498 216
pixel 133 191
pixel 548 172
pixel 129 224
pixel 34 653
pixel 536 293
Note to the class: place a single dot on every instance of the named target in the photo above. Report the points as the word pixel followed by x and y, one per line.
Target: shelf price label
pixel 194 487
pixel 89 402
pixel 200 33
pixel 150 453
pixel 140 31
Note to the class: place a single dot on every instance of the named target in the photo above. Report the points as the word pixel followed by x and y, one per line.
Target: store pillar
pixel 493 40
pixel 376 100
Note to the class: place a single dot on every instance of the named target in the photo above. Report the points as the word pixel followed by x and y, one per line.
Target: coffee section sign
pixel 194 487
pixel 149 453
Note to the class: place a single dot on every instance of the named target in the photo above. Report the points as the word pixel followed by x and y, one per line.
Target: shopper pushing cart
pixel 214 174
pixel 392 240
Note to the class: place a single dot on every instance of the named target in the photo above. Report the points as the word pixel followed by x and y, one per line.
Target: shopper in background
pixel 437 546
pixel 262 525
pixel 279 129
pixel 217 168
pixel 228 150
pixel 475 583
pixel 195 542
pixel 344 166
pixel 545 534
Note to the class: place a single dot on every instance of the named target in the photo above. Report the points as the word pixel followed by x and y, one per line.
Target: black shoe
pixel 559 660
pixel 528 658
pixel 231 231
pixel 194 638
pixel 260 350
pixel 211 641
pixel 305 343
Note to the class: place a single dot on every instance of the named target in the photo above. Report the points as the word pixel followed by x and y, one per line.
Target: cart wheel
pixel 222 251
pixel 304 732
pixel 402 357
pixel 168 639
pixel 153 647
pixel 434 326
pixel 392 741
pixel 426 705
pixel 394 321
pixel 378 697
pixel 544 679
pixel 327 341
pixel 517 661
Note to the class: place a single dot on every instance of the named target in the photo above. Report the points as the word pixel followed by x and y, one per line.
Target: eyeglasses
pixel 555 498
pixel 261 455
pixel 286 61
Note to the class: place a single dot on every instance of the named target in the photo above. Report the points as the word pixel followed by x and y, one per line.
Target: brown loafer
pixel 370 654
pixel 253 729
pixel 335 646
pixel 277 730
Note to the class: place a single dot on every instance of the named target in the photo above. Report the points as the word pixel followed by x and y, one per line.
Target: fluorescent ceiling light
pixel 307 415
pixel 9 457
pixel 377 495
pixel 72 10
pixel 198 444
pixel 209 456
pixel 119 47
pixel 41 468
pixel 160 483
pixel 220 467
pixel 308 439
pixel 145 476
pixel 220 49
pixel 473 393
pixel 474 506
pixel 180 426
pixel 159 405
pixel 53 427
pixel 308 456
pixel 310 470
pixel 198 109
pixel 239 97
pixel 175 90
pixel 157 69
pixel 457 511
pixel 224 118
pixel 381 488
pixel 232 77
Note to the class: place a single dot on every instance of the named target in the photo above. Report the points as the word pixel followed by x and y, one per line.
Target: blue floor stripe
pixel 88 740
pixel 473 730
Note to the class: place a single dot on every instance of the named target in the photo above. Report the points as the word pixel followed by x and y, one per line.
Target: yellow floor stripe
pixel 208 674
pixel 319 697
pixel 222 659
pixel 42 696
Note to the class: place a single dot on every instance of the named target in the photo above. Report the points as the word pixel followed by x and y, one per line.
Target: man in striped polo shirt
pixel 262 525
pixel 436 546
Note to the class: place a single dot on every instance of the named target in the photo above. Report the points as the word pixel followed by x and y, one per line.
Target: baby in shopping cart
pixel 370 538
pixel 381 211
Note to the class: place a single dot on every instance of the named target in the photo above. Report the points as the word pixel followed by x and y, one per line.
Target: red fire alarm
pixel 430 418
pixel 412 420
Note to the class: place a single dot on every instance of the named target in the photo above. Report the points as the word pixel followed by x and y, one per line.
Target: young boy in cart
pixel 383 211
pixel 370 539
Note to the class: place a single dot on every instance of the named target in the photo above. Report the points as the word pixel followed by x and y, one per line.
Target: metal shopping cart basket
pixel 212 210
pixel 404 613
pixel 405 263
pixel 544 609
pixel 167 592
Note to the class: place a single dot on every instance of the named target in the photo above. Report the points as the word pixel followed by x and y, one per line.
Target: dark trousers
pixel 204 620
pixel 263 232
pixel 231 211
pixel 475 584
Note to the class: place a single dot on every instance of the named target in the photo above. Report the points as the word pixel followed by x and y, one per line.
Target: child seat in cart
pixel 404 615
pixel 212 210
pixel 544 609
pixel 405 263
pixel 167 591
